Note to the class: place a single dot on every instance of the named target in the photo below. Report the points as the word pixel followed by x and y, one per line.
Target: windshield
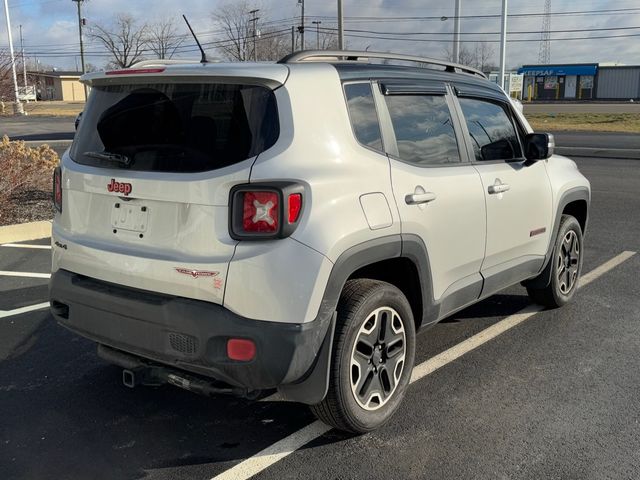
pixel 175 127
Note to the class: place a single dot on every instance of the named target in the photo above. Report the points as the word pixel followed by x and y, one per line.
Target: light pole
pixel 503 43
pixel 80 22
pixel 317 24
pixel 340 26
pixel 24 62
pixel 301 29
pixel 456 33
pixel 17 106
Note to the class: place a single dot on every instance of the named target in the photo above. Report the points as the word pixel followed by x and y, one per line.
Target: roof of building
pixel 58 73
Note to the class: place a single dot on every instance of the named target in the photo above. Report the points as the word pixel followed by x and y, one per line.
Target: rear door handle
pixel 498 188
pixel 419 198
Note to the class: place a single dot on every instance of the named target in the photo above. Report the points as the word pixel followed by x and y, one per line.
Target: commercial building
pixel 584 81
pixel 618 82
pixel 58 85
pixel 559 82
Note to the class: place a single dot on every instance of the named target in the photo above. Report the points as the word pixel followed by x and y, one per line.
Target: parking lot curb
pixel 624 153
pixel 25 231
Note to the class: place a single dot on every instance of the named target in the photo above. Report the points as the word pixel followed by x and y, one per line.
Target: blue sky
pixel 50 26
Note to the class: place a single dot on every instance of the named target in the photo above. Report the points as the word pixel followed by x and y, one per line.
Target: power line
pixel 513 40
pixel 614 11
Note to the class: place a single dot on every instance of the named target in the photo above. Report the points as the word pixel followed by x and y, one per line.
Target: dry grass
pixel 26 177
pixel 56 109
pixel 592 122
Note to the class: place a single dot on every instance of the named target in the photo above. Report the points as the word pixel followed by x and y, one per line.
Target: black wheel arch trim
pixel 570 196
pixel 313 386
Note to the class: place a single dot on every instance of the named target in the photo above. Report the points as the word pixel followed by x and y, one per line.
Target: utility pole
pixel 317 24
pixel 456 33
pixel 503 43
pixel 301 28
pixel 254 20
pixel 293 38
pixel 80 23
pixel 24 61
pixel 340 26
pixel 17 106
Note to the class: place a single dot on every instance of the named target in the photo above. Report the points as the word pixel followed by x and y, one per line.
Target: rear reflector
pixel 241 349
pixel 260 212
pixel 57 189
pixel 295 205
pixel 134 71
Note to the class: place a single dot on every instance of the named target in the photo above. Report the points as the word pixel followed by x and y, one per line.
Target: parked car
pixel 234 228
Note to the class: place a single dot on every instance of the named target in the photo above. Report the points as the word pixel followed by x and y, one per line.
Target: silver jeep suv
pixel 234 228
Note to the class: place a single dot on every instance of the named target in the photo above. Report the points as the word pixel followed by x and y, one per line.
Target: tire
pixel 565 264
pixel 361 402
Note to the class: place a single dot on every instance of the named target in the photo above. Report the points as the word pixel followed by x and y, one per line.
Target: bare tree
pixel 484 54
pixel 6 75
pixel 273 45
pixel 125 40
pixel 238 30
pixel 163 38
pixel 480 56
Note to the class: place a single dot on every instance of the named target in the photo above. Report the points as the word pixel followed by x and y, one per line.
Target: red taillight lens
pixel 241 349
pixel 260 212
pixel 57 188
pixel 295 205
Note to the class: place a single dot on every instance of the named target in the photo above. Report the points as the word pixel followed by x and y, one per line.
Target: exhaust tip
pixel 128 378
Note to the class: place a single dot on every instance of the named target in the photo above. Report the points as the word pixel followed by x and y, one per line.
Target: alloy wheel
pixel 377 358
pixel 568 262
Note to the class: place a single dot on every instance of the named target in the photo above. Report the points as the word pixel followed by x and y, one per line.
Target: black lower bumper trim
pixel 184 333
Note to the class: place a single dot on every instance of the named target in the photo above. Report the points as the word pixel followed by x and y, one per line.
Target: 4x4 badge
pixel 196 273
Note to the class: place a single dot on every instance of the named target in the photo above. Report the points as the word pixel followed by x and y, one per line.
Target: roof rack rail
pixel 347 56
pixel 161 62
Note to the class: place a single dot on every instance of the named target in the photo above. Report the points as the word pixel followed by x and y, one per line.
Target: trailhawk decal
pixel 196 273
pixel 119 187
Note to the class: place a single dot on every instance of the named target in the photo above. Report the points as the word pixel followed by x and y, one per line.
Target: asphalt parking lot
pixel 554 395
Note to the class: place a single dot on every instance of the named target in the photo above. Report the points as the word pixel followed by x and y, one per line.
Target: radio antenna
pixel 204 56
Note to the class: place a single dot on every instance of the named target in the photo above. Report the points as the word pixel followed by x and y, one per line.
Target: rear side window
pixel 492 132
pixel 175 127
pixel 362 111
pixel 424 129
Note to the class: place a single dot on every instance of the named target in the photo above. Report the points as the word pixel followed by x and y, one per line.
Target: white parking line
pixel 24 245
pixel 21 310
pixel 4 273
pixel 281 449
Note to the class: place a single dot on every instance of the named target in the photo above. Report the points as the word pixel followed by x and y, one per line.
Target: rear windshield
pixel 175 127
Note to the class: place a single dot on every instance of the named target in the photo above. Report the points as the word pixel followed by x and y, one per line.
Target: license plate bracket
pixel 134 218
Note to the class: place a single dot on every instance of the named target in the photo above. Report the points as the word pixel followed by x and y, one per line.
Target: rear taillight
pixel 262 211
pixel 57 189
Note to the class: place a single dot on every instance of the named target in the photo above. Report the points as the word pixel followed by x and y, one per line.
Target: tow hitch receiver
pixel 137 372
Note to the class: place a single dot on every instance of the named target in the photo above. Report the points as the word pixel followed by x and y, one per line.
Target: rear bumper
pixel 184 333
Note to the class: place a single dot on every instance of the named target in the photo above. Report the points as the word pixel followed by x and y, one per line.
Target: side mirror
pixel 539 146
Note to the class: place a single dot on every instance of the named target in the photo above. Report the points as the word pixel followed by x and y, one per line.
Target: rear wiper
pixel 110 157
